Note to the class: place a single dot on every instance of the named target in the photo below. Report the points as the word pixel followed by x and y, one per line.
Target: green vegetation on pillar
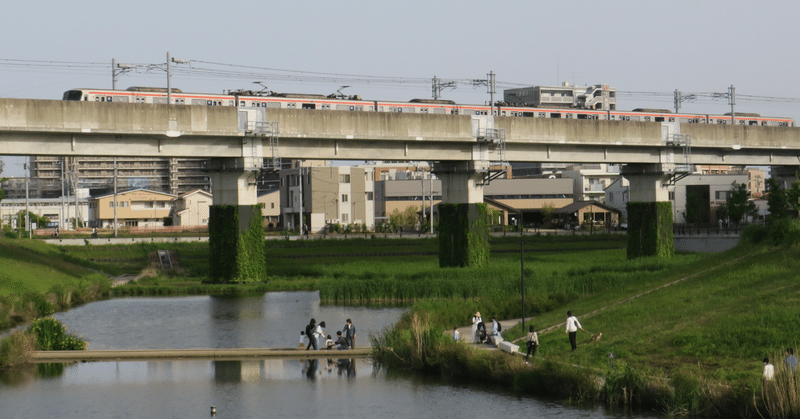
pixel 650 229
pixel 463 235
pixel 236 244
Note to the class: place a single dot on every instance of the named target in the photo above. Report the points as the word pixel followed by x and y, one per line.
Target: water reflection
pixel 273 320
pixel 290 388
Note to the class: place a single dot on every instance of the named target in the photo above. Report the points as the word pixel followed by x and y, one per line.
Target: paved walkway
pixel 193 354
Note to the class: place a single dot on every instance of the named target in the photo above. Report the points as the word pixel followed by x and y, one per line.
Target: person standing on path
pixel 349 332
pixel 495 331
pixel 476 318
pixel 319 334
pixel 572 329
pixel 310 328
pixel 532 342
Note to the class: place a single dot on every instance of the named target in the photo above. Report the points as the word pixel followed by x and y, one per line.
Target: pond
pixel 352 388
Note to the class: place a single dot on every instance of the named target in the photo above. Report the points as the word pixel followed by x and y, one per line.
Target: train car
pixel 242 98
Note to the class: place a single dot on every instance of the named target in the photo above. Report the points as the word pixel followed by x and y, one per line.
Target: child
pixel 329 343
pixel 456 335
pixel 303 340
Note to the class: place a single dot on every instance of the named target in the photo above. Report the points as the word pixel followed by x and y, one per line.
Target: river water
pixel 351 388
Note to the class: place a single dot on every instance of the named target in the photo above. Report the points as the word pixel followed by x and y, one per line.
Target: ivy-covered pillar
pixel 463 217
pixel 649 211
pixel 235 226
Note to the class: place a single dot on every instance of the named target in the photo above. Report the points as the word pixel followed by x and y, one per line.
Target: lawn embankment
pixel 37 279
pixel 693 347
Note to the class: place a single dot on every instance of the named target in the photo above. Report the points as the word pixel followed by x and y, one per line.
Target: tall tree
pixel 739 204
pixel 777 202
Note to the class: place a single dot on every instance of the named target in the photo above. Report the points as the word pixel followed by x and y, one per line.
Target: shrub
pixel 16 349
pixel 51 335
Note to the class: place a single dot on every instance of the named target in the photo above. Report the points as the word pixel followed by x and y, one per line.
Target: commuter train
pixel 247 98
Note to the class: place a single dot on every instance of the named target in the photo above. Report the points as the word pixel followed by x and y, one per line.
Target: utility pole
pixel 438 86
pixel 116 70
pixel 431 185
pixel 115 197
pixel 169 85
pixel 27 167
pixel 300 175
pixel 61 222
pixel 680 98
pixel 732 101
pixel 491 90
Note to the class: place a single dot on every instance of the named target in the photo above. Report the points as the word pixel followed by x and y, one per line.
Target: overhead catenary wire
pixel 217 71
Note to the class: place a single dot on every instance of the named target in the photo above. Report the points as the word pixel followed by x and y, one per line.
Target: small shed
pixel 587 213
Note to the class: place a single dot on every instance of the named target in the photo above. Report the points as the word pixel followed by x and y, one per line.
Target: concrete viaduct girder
pixel 48 127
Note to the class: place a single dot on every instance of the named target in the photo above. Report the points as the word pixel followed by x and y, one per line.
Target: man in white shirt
pixel 572 329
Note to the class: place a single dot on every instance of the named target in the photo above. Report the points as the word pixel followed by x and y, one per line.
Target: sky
pixel 645 48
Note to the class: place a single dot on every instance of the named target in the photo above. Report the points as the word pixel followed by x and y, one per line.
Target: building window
pixel 344 198
pixel 344 178
pixel 721 195
pixel 345 218
pixel 272 205
pixel 672 196
pixel 368 196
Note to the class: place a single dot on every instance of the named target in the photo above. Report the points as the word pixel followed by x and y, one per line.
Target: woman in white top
pixel 572 329
pixel 319 334
pixel 475 320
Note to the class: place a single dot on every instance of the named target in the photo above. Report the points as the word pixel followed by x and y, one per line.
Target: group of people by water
pixel 480 334
pixel 314 336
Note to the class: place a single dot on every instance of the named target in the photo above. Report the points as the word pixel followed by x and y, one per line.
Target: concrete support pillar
pixel 236 231
pixel 649 211
pixel 463 217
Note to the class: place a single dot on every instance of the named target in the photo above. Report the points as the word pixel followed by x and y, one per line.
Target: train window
pixel 627 118
pixel 583 116
pixel 647 118
pixel 542 115
pixel 503 113
pixel 309 106
pixel 370 108
pixel 555 115
pixel 352 108
pixel 454 112
pixel 528 114
pixel 291 105
pixel 753 123
pixel 569 116
pixel 242 103
pixel 671 119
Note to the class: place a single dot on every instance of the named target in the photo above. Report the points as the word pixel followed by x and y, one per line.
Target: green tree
pixel 694 209
pixel 41 222
pixel 2 192
pixel 793 198
pixel 548 210
pixel 739 204
pixel 777 202
pixel 406 218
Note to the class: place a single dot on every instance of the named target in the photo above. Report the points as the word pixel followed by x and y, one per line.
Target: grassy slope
pixel 717 325
pixel 27 265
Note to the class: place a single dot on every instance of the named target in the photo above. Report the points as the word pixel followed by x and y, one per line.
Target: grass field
pixel 711 328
